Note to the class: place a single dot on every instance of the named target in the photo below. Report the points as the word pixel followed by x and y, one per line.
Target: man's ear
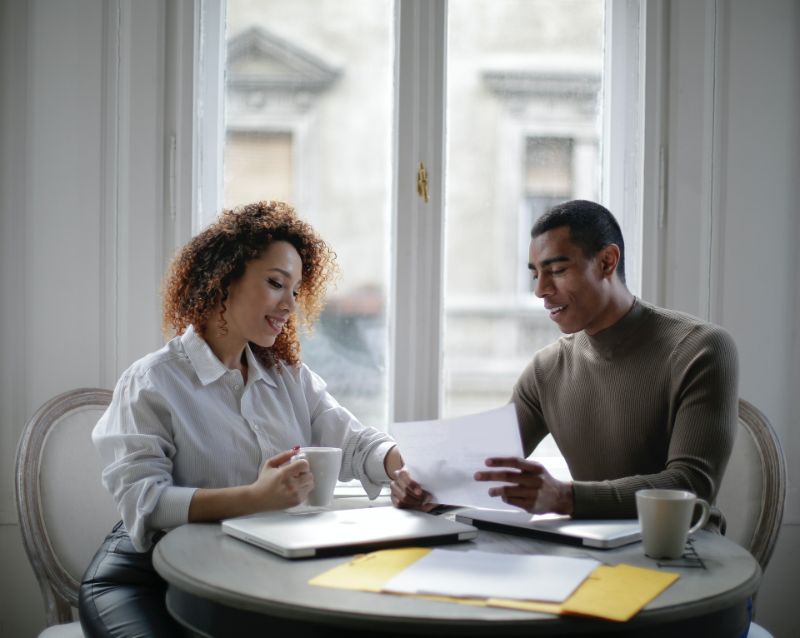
pixel 608 259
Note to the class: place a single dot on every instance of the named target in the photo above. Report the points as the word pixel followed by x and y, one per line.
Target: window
pixel 308 120
pixel 338 108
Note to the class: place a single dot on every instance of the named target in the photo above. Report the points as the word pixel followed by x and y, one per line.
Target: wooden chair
pixel 64 510
pixel 753 490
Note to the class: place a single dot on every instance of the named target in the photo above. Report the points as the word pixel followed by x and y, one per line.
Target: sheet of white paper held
pixel 444 455
pixel 478 574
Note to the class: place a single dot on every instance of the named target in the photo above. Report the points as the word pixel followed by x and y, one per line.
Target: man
pixel 635 396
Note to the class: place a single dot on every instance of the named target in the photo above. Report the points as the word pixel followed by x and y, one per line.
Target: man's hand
pixel 407 493
pixel 531 488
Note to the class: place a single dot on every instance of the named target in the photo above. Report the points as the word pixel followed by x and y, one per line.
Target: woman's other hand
pixel 407 493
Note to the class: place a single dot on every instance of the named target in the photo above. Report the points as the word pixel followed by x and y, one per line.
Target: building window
pixel 258 162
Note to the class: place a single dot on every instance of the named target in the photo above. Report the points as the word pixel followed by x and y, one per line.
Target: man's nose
pixel 541 287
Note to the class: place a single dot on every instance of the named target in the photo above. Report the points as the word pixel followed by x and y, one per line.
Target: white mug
pixel 325 463
pixel 665 516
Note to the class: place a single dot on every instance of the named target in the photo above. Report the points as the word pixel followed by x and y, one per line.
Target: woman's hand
pixel 408 494
pixel 282 483
pixel 531 486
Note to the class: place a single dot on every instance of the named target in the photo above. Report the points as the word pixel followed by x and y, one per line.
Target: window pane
pixel 258 162
pixel 309 121
pixel 523 122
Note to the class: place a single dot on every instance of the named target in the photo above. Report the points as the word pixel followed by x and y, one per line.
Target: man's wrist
pixel 567 499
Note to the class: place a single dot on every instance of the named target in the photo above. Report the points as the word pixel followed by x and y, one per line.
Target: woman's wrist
pixel 249 498
pixel 392 462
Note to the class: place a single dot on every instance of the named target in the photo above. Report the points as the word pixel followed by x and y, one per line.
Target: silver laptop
pixel 329 533
pixel 604 534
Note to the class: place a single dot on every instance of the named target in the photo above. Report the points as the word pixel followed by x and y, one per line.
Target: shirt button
pixel 237 387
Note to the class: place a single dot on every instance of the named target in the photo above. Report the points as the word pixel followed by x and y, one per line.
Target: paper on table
pixel 478 574
pixel 369 572
pixel 615 593
pixel 444 455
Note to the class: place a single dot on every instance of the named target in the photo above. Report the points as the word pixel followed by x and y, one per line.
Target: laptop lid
pixel 603 534
pixel 330 533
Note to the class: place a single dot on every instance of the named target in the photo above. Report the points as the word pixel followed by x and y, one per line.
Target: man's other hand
pixel 531 487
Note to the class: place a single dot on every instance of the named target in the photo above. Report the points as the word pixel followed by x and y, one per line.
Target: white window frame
pixel 630 180
pixel 195 114
pixel 417 266
pixel 623 128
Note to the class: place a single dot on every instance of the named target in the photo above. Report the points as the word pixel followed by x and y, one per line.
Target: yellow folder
pixel 612 592
pixel 368 572
pixel 615 592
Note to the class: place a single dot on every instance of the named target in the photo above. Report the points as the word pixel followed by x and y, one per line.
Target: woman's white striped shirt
pixel 180 420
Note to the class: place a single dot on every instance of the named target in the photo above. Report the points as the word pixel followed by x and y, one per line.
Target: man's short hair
pixel 591 226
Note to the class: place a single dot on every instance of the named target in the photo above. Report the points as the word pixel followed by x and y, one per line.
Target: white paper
pixel 443 456
pixel 477 574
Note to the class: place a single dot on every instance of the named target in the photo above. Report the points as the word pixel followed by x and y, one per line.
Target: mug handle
pixel 703 517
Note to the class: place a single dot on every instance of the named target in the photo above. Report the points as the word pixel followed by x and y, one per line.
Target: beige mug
pixel 665 517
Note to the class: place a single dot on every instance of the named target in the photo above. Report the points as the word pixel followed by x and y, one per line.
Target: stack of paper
pixel 477 574
pixel 444 455
pixel 610 592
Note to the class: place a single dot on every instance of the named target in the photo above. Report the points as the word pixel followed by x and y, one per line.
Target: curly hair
pixel 200 275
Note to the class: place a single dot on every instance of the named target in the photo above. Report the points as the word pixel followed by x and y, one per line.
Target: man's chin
pixel 568 329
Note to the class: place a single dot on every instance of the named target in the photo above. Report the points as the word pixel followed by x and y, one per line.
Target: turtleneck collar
pixel 607 342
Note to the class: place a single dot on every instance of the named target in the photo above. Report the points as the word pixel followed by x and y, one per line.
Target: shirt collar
pixel 209 368
pixel 621 334
pixel 256 370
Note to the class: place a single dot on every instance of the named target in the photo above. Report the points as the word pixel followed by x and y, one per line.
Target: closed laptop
pixel 336 532
pixel 604 534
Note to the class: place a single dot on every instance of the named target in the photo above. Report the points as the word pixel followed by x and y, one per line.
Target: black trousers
pixel 122 595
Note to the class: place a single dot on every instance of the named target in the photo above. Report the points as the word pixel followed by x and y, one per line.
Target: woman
pixel 204 428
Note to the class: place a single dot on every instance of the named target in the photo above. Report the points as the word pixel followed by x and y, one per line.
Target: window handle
pixel 422 182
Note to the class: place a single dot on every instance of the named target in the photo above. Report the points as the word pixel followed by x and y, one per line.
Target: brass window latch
pixel 422 183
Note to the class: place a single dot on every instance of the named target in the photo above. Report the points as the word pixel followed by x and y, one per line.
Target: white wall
pixel 729 250
pixel 83 236
pixel 81 221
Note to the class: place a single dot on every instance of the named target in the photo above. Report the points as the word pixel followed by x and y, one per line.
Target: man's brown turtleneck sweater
pixel 649 402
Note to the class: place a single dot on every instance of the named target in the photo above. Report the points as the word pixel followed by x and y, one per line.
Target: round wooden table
pixel 221 586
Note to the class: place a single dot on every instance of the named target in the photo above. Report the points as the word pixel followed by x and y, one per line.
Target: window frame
pixel 630 177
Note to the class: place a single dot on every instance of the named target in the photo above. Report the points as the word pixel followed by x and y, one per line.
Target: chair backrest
pixel 64 510
pixel 753 489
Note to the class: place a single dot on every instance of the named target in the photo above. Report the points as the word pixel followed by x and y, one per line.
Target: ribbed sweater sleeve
pixel 653 403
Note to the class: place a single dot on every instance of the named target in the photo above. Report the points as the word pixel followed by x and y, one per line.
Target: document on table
pixel 614 592
pixel 444 455
pixel 478 574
